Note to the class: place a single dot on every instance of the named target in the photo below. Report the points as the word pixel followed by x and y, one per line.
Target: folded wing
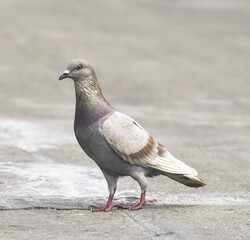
pixel 132 143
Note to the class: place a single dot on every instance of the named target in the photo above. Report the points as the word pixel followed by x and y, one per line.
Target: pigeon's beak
pixel 64 75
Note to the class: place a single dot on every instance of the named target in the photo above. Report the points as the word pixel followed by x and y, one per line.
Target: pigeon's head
pixel 78 70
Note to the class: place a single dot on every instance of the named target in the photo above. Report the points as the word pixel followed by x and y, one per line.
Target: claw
pixel 140 204
pixel 105 208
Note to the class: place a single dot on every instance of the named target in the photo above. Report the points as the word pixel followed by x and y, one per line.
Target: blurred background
pixel 180 68
pixel 144 52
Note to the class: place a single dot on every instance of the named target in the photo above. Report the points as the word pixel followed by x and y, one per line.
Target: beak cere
pixel 64 75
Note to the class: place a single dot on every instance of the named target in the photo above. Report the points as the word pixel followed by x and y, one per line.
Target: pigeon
pixel 117 143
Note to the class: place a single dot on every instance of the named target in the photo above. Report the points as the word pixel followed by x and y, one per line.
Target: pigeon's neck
pixel 90 102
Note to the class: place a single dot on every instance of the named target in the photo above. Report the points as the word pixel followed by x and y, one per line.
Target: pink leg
pixel 108 206
pixel 140 204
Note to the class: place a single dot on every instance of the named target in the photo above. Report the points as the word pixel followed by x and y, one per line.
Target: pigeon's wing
pixel 132 143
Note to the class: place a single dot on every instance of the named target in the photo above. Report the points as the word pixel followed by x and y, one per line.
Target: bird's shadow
pixel 82 204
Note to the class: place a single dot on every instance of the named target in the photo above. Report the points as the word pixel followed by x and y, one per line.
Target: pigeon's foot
pixel 138 206
pixel 107 207
pixel 142 202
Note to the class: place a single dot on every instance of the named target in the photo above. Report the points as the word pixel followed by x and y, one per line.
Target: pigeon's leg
pixel 112 184
pixel 142 180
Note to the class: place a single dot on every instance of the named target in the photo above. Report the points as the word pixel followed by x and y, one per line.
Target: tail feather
pixel 177 170
pixel 190 181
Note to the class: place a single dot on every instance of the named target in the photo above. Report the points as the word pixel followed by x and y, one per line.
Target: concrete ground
pixel 180 68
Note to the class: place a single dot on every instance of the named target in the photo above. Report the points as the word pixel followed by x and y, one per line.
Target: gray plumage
pixel 116 142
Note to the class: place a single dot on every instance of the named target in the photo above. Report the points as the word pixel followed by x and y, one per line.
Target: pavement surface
pixel 180 68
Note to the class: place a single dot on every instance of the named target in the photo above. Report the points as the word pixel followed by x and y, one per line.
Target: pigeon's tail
pixel 190 181
pixel 177 170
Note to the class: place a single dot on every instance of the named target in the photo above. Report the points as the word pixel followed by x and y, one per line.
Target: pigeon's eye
pixel 79 67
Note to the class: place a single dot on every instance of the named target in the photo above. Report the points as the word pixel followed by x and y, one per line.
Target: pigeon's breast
pixel 88 138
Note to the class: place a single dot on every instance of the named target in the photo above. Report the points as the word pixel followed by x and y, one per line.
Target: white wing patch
pixel 123 133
